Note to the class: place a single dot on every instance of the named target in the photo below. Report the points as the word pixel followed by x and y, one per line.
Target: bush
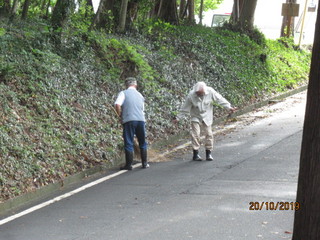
pixel 254 34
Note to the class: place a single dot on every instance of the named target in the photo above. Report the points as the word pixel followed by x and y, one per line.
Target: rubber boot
pixel 208 155
pixel 144 160
pixel 129 160
pixel 196 156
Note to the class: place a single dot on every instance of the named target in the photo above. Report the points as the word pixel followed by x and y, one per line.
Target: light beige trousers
pixel 196 129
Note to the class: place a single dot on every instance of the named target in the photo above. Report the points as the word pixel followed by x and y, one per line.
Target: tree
pixel 201 12
pixel 47 8
pixel 191 8
pixel 25 9
pixel 104 15
pixel 243 13
pixel 4 8
pixel 202 6
pixel 123 15
pixel 168 11
pixel 246 18
pixel 307 219
pixel 62 13
pixel 237 6
pixel 182 8
pixel 14 8
pixel 133 11
pixel 188 8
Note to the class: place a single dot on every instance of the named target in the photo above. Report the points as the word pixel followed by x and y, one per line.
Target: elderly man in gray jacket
pixel 199 105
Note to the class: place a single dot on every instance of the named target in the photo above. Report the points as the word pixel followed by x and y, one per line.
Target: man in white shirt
pixel 199 105
pixel 130 106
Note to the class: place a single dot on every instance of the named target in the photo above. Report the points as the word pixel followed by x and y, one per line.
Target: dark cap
pixel 131 81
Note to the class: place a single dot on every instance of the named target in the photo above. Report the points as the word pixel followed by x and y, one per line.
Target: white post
pixel 302 22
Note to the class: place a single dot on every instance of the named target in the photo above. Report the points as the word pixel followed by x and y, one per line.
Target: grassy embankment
pixel 56 116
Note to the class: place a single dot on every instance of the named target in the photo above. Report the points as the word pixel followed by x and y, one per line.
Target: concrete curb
pixel 46 191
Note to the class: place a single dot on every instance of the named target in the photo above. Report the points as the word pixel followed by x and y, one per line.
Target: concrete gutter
pixel 6 208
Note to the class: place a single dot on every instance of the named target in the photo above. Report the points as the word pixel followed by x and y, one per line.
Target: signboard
pixel 312 7
pixel 219 19
pixel 290 9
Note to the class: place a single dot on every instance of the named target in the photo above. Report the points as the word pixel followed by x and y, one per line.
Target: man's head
pixel 131 82
pixel 200 89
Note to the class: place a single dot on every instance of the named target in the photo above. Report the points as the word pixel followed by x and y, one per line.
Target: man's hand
pixel 118 112
pixel 118 109
pixel 233 109
pixel 175 120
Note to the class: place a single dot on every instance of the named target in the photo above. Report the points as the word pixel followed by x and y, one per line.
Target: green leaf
pixel 2 32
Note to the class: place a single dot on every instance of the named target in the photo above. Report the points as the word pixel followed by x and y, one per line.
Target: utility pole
pixel 302 22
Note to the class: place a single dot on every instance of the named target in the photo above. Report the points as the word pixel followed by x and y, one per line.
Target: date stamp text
pixel 273 206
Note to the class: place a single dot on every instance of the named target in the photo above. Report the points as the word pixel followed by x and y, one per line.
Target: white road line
pixel 66 195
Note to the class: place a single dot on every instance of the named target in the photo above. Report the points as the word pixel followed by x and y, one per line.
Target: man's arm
pixel 184 110
pixel 118 103
pixel 118 109
pixel 223 102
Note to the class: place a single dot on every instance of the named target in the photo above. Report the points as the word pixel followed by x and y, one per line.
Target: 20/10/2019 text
pixel 282 206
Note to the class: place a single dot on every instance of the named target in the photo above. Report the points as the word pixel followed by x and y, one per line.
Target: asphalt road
pixel 255 161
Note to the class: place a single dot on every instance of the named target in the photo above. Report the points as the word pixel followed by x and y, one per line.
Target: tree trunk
pixel 185 10
pixel 307 219
pixel 154 11
pixel 25 9
pixel 160 7
pixel 237 7
pixel 191 18
pixel 201 11
pixel 43 5
pixel 5 8
pixel 287 27
pixel 168 11
pixel 132 12
pixel 246 19
pixel 47 10
pixel 123 15
pixel 104 12
pixel 14 8
pixel 62 13
pixel 182 7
